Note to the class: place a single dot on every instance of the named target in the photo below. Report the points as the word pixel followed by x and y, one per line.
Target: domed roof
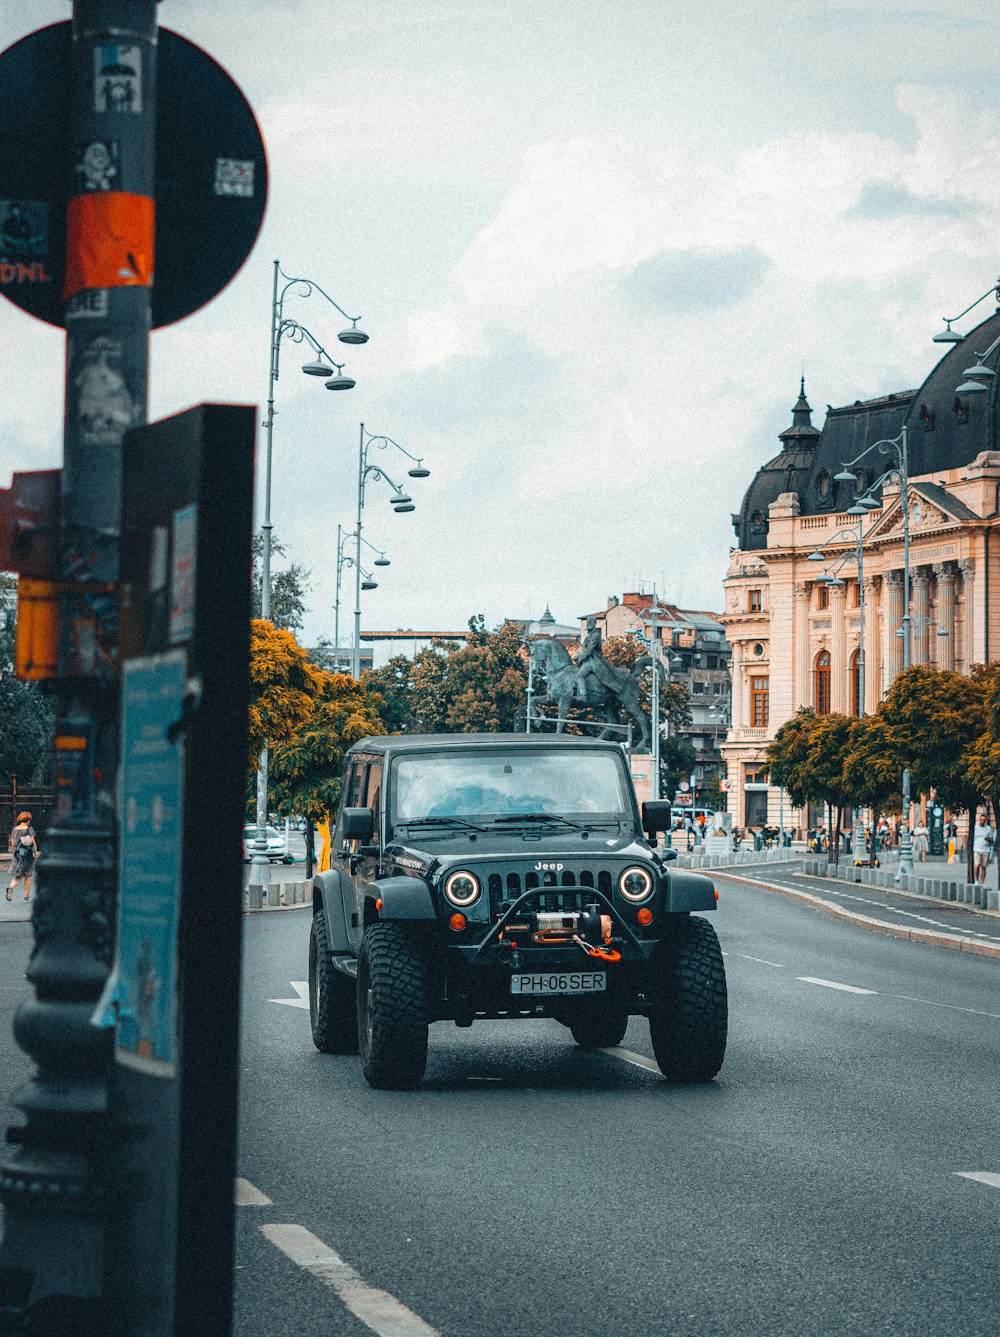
pixel 787 472
pixel 944 431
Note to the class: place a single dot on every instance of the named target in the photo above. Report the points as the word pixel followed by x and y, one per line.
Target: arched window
pixel 821 695
pixel 855 671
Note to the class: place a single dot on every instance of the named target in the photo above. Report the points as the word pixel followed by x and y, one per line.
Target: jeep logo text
pixel 548 867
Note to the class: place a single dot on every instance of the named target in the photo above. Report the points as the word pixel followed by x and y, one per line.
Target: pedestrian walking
pixel 921 842
pixel 983 841
pixel 24 848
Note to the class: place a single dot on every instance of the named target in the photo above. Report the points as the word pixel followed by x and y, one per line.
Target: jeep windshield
pixel 562 785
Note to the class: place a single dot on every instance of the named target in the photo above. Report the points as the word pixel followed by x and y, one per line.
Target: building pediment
pixel 927 516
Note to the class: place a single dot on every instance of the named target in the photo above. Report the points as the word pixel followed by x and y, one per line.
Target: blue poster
pixel 141 998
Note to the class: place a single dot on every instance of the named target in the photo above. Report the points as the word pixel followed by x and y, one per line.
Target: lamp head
pixel 857 509
pixel 369 584
pixel 400 499
pixel 408 506
pixel 845 476
pixel 815 556
pixel 971 388
pixel 979 370
pixel 381 561
pixel 340 381
pixel 353 335
pixel 418 471
pixel 947 335
pixel 317 368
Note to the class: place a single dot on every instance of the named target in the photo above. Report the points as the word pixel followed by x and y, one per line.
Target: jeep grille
pixel 563 891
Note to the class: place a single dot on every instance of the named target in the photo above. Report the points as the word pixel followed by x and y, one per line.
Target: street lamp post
pixel 400 501
pixel 899 472
pixel 663 667
pixel 368 581
pixel 284 327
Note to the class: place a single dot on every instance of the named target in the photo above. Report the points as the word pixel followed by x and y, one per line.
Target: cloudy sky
pixel 594 245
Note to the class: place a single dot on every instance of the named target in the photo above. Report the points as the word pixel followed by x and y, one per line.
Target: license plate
pixel 562 982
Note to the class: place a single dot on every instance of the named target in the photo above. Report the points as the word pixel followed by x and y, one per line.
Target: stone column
pixel 921 610
pixel 738 685
pixel 873 683
pixel 967 566
pixel 803 679
pixel 892 645
pixel 945 573
pixel 838 649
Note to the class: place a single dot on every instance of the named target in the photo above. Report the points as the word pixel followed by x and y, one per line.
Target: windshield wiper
pixel 441 821
pixel 540 817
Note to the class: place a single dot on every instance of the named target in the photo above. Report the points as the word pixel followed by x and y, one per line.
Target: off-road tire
pixel 332 997
pixel 595 1025
pixel 689 1012
pixel 392 1008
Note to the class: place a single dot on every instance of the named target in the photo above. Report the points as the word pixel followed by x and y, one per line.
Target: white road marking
pixel 832 984
pixel 637 1060
pixel 376 1309
pixel 951 1007
pixel 484 1079
pixel 980 1176
pixel 761 961
pixel 249 1196
pixel 301 987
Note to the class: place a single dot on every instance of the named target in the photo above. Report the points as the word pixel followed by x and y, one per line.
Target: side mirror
pixel 358 824
pixel 668 854
pixel 655 816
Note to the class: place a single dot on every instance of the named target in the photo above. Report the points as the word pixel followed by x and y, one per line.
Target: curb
pixel 931 937
pixel 261 897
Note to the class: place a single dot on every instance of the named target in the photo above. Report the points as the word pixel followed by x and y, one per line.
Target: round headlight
pixel 635 884
pixel 461 888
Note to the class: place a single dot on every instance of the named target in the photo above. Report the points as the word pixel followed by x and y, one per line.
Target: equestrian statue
pixel 590 681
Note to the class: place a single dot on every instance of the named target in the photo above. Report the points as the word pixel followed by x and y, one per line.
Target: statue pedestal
pixel 642 775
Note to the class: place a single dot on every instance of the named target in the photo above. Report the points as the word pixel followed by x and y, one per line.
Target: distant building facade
pixel 796 640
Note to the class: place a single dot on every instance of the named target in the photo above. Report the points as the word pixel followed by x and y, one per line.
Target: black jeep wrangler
pixel 507 875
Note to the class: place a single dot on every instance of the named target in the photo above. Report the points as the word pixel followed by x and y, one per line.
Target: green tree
pixel 829 747
pixel 677 759
pixel 872 771
pixel 788 760
pixel 26 717
pixel 392 685
pixel 288 587
pixel 934 719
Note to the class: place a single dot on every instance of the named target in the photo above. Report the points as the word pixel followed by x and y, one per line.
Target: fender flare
pixel 328 900
pixel 402 898
pixel 686 891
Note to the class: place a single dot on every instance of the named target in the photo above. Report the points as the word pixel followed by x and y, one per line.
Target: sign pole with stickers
pixel 124 146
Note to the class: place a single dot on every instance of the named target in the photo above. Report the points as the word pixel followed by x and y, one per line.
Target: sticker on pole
pixel 210 180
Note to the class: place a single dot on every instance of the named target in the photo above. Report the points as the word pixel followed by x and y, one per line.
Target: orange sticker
pixel 109 241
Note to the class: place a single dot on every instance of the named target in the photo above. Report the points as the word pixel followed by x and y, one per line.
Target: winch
pixel 588 929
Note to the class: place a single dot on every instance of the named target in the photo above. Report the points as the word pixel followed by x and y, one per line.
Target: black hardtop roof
pixel 434 742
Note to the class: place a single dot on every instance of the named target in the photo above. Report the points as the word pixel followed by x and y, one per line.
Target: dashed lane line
pixel 760 960
pixel 378 1310
pixel 301 987
pixel 833 984
pixel 980 1176
pixel 247 1195
pixel 950 1007
pixel 637 1060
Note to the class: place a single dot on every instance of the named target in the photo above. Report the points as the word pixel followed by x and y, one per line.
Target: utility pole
pixel 53 1183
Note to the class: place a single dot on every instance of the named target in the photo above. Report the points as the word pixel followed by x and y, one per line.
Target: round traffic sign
pixel 210 177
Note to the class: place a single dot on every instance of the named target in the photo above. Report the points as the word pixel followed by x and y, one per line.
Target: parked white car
pixel 277 845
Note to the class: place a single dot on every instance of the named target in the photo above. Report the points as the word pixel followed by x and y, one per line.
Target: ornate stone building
pixel 796 640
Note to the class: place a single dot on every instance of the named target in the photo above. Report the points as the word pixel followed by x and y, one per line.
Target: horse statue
pixel 565 681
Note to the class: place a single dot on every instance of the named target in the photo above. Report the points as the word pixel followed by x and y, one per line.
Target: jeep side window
pixel 374 800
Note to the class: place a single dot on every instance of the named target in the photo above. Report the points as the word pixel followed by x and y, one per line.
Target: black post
pixel 53 1185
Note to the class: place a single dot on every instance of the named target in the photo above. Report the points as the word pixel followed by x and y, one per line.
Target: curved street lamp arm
pixel 387 440
pixel 307 287
pixel 896 443
pixel 378 472
pixel 995 289
pixel 298 334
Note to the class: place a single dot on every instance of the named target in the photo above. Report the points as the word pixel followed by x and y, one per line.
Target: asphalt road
pixel 531 1188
